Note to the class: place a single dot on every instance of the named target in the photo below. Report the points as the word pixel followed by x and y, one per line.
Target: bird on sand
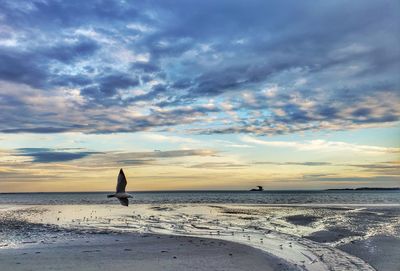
pixel 120 194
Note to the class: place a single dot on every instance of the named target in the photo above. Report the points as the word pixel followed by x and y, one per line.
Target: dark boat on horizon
pixel 260 188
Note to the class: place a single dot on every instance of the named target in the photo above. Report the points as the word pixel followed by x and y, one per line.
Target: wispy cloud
pixel 320 145
pixel 66 155
pixel 357 181
pixel 231 144
pixel 312 164
pixel 218 166
pixel 157 137
pixel 386 168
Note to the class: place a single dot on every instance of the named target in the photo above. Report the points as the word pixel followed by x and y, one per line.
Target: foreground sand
pixel 282 231
pixel 137 252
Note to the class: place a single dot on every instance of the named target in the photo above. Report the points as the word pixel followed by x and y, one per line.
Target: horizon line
pixel 207 190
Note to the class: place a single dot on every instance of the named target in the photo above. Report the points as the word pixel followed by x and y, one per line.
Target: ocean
pixel 223 197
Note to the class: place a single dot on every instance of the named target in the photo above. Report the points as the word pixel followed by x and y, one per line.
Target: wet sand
pixel 382 252
pixel 308 237
pixel 128 251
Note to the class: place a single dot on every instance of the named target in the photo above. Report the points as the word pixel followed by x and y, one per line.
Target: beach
pixel 200 236
pixel 138 252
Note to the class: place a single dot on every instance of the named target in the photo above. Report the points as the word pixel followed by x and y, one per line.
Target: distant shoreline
pixel 364 189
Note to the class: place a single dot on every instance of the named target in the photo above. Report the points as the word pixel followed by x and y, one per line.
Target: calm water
pixel 266 197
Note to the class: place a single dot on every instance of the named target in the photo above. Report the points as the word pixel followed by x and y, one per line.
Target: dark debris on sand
pixel 302 220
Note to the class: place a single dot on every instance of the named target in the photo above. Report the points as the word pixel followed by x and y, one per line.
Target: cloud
pixel 317 176
pixel 377 166
pixel 157 137
pixel 386 168
pixel 128 66
pixel 230 144
pixel 75 114
pixel 171 154
pixel 373 181
pixel 46 155
pixel 107 86
pixel 298 112
pixel 23 176
pixel 320 145
pixel 67 53
pixel 218 166
pixel 41 130
pixel 137 162
pixel 21 67
pixel 312 164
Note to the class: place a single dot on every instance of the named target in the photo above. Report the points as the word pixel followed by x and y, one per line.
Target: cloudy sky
pixel 199 94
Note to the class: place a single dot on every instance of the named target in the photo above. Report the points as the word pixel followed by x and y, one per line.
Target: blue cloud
pixel 45 155
pixel 49 155
pixel 107 85
pixel 69 52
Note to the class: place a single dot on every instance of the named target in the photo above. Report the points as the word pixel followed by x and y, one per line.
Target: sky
pixel 199 95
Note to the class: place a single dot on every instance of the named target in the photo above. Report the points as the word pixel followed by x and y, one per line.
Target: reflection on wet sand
pixel 285 231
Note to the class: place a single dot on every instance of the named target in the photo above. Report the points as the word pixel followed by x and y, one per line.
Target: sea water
pixel 232 197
